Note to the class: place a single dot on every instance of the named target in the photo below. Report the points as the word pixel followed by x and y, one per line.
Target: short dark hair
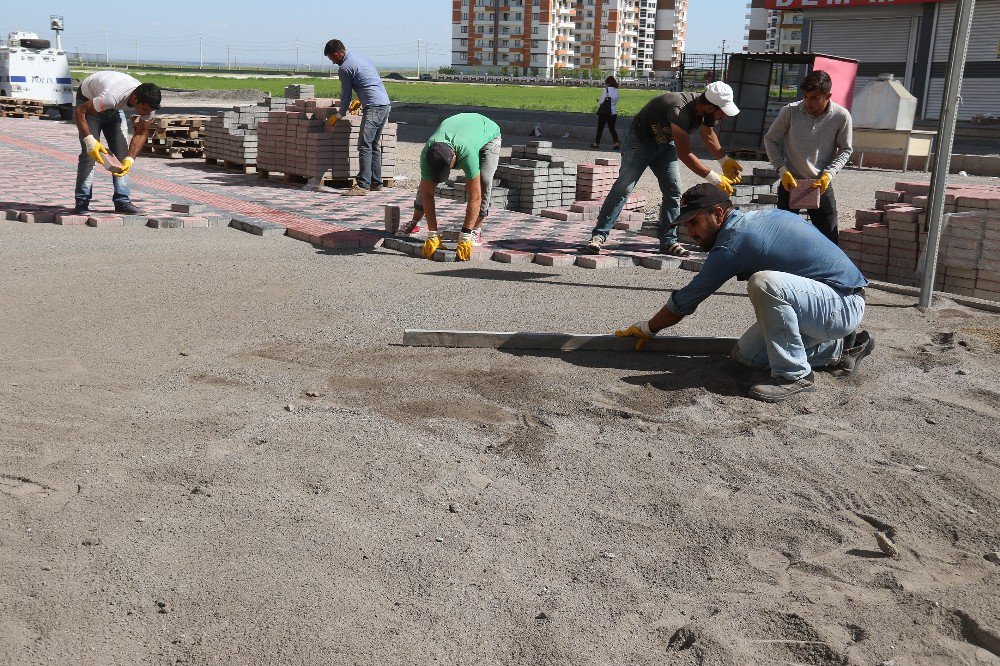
pixel 817 80
pixel 611 81
pixel 333 46
pixel 148 93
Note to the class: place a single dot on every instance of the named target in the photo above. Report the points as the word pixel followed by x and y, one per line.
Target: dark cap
pixel 439 156
pixel 698 198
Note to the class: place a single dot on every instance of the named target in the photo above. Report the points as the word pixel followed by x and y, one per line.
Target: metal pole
pixel 136 51
pixel 107 53
pixel 418 58
pixel 201 53
pixel 950 100
pixel 296 54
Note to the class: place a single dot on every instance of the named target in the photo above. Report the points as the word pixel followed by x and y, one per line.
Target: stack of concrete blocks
pixel 595 179
pixel 346 162
pixel 231 136
pixel 888 241
pixel 455 190
pixel 536 178
pixel 300 91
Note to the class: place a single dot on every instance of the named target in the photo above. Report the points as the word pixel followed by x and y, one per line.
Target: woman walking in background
pixel 607 112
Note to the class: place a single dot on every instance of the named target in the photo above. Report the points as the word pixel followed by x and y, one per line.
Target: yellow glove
pixel 94 148
pixel 731 169
pixel 432 244
pixel 639 330
pixel 464 249
pixel 126 167
pixel 788 180
pixel 721 182
pixel 822 182
pixel 355 106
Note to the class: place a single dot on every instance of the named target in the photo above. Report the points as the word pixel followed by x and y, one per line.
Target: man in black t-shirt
pixel 659 139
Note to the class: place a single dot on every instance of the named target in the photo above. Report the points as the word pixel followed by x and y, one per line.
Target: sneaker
pixel 477 237
pixel 675 250
pixel 377 187
pixel 127 209
pixel 594 246
pixel 863 345
pixel 778 388
pixel 356 191
pixel 409 229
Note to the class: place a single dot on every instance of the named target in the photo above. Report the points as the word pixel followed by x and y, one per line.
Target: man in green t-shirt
pixel 466 141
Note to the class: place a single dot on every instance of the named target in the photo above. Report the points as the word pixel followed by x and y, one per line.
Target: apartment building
pixel 550 38
pixel 772 30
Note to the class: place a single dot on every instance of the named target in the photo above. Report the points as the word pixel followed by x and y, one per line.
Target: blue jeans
pixel 636 158
pixel 800 325
pixel 114 127
pixel 373 119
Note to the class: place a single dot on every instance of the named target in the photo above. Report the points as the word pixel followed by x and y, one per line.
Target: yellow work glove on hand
pixel 731 169
pixel 432 244
pixel 822 182
pixel 639 330
pixel 126 167
pixel 355 106
pixel 464 249
pixel 788 180
pixel 94 148
pixel 721 182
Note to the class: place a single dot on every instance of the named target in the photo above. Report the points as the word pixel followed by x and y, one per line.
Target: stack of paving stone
pixel 631 217
pixel 536 178
pixel 231 136
pixel 889 239
pixel 300 91
pixel 595 179
pixel 455 190
pixel 176 136
pixel 299 143
pixel 16 107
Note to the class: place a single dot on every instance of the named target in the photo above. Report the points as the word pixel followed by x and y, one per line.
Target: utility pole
pixel 107 53
pixel 228 66
pixel 234 59
pixel 201 53
pixel 418 58
pixel 136 51
pixel 296 54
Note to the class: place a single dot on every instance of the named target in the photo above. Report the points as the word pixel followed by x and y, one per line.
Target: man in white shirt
pixel 101 103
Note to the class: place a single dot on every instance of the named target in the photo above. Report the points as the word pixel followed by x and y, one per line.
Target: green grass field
pixel 538 98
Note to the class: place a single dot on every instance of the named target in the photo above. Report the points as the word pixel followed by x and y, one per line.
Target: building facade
pixel 909 39
pixel 773 30
pixel 551 38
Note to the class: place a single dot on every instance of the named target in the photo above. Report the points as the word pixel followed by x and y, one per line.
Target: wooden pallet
pixel 232 166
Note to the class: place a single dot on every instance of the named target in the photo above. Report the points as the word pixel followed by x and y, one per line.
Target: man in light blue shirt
pixel 359 75
pixel 807 295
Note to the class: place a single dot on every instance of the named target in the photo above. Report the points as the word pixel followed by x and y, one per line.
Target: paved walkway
pixel 39 167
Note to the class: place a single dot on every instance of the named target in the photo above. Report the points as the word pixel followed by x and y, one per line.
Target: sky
pixel 255 31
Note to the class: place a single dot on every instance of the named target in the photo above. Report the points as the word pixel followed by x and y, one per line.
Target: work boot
pixel 127 209
pixel 356 191
pixel 779 388
pixel 863 345
pixel 376 187
pixel 81 209
pixel 594 246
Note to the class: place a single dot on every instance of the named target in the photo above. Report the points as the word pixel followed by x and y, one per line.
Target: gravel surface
pixel 214 447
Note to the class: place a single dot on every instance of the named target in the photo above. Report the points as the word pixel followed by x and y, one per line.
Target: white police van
pixel 31 69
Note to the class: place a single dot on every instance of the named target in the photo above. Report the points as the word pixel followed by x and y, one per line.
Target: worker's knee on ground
pixel 751 359
pixel 762 283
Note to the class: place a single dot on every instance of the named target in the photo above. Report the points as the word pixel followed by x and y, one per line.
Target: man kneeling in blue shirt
pixel 807 295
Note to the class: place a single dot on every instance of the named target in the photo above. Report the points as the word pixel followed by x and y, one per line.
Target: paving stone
pixel 195 222
pixel 104 221
pixel 38 216
pixel 661 262
pixel 72 220
pixel 134 220
pixel 188 208
pixel 11 214
pixel 554 259
pixel 692 264
pixel 512 257
pixel 445 255
pixel 597 261
pixel 166 223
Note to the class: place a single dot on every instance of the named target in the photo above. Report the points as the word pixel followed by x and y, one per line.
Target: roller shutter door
pixel 879 45
pixel 981 84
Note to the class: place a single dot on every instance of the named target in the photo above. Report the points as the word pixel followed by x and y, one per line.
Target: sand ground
pixel 213 449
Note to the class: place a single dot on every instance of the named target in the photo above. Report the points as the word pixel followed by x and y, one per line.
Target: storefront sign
pixel 830 4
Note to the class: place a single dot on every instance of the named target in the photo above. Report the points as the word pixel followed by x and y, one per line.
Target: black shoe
pixel 778 389
pixel 863 345
pixel 127 209
pixel 81 210
pixel 376 187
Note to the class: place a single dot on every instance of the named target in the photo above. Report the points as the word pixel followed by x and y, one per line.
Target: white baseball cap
pixel 721 95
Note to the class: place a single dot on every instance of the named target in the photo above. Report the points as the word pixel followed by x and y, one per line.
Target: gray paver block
pixel 188 208
pixel 661 262
pixel 165 223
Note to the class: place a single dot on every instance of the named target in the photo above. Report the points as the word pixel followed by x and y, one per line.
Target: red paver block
pixel 104 221
pixel 628 225
pixel 889 196
pixel 12 215
pixel 392 217
pixel 554 259
pixel 40 217
pixel 72 220
pixel 512 257
pixel 804 195
pixel 598 261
